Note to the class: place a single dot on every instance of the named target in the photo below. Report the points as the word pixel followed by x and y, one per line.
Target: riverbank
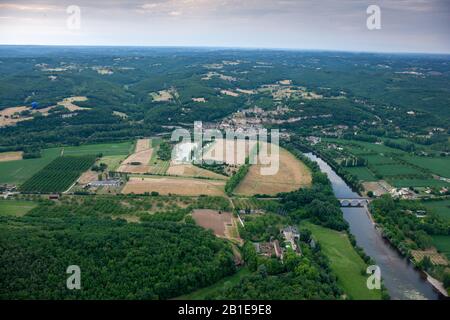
pixel 438 285
pixel 401 279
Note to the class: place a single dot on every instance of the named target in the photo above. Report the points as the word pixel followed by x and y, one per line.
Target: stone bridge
pixel 353 202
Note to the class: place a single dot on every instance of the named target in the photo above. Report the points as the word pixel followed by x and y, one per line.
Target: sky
pixel 406 25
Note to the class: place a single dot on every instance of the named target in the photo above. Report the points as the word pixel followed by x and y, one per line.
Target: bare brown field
pixel 223 224
pixel 199 99
pixel 164 95
pixel 87 177
pixel 142 155
pixel 229 152
pixel 68 103
pixel 11 156
pixel 9 116
pixel 377 187
pixel 229 93
pixel 292 175
pixel 175 186
pixel 189 170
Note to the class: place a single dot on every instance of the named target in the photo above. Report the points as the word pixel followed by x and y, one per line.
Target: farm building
pixel 292 236
pixel 105 183
pixel 269 249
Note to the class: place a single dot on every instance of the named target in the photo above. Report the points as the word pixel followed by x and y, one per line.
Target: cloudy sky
pixel 406 25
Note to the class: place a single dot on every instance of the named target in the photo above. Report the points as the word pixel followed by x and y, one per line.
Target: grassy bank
pixel 345 262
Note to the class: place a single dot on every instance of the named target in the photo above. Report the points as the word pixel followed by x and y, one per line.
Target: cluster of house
pixel 313 140
pixel 256 117
pixel 105 183
pixel 251 211
pixel 7 190
pixel 272 248
pixel 403 193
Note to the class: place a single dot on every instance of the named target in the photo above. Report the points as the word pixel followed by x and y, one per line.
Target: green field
pixel 204 293
pixel 15 207
pixel 376 159
pixel 442 243
pixel 439 166
pixel 107 149
pixel 363 173
pixel 17 172
pixel 399 168
pixel 396 170
pixel 59 174
pixel 442 208
pixel 345 262
pixel 360 147
pixel 113 162
pixel 254 204
pixel 405 183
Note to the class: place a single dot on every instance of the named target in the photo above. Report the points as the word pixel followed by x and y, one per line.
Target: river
pixel 399 276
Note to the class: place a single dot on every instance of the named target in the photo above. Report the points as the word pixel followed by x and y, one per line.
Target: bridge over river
pixel 354 202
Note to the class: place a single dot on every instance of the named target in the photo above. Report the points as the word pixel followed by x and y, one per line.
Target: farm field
pixel 189 170
pixel 106 149
pixel 442 243
pixel 439 166
pixel 17 172
pixel 363 173
pixel 376 159
pixel 138 162
pixel 15 207
pixel 345 262
pixel 292 175
pixel 223 224
pixel 11 156
pixel 399 168
pixel 205 293
pixel 174 185
pixel 58 175
pixel 364 148
pixel 228 152
pixel 113 162
pixel 159 167
pixel 255 204
pixel 396 170
pixel 442 208
pixel 405 183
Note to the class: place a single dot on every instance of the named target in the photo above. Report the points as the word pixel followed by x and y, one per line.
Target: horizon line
pixel 249 48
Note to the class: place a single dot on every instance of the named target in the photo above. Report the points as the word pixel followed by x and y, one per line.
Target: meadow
pixel 106 149
pixel 15 207
pixel 439 166
pixel 363 173
pixel 345 262
pixel 406 183
pixel 442 208
pixel 204 293
pixel 442 243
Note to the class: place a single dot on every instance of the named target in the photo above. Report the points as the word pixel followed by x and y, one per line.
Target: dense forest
pixel 156 259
